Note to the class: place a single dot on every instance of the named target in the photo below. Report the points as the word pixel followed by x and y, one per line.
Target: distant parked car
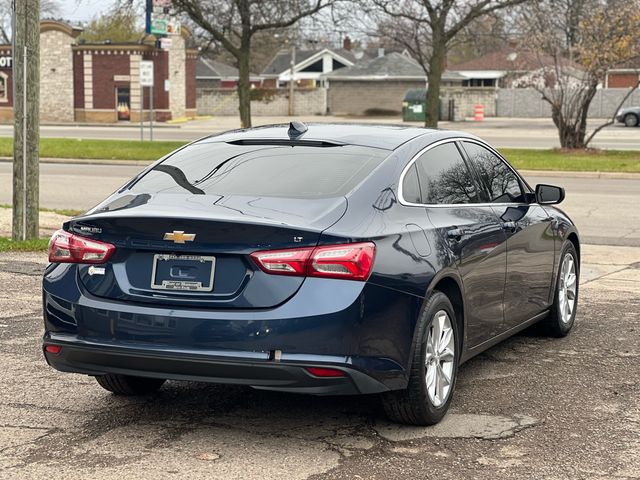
pixel 629 116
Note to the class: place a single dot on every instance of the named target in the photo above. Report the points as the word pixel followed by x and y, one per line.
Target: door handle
pixel 510 226
pixel 455 234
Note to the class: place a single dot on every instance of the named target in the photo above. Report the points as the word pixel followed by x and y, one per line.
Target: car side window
pixel 502 184
pixel 411 186
pixel 444 176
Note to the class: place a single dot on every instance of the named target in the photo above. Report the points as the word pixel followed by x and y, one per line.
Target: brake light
pixel 283 262
pixel 65 247
pixel 325 372
pixel 350 261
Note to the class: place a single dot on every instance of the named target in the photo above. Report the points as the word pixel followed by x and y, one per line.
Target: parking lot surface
pixel 529 408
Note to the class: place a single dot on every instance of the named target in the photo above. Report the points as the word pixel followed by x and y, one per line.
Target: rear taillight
pixel 55 349
pixel 65 247
pixel 325 372
pixel 350 261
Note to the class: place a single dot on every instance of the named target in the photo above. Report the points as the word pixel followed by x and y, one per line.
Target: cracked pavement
pixel 529 408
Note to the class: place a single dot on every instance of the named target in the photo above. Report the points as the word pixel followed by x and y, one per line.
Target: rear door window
pixel 444 176
pixel 218 168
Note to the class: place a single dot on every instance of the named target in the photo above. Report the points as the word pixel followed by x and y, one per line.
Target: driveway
pixel 529 408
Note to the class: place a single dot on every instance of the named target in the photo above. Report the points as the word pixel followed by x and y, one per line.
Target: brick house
pixel 626 75
pixel 500 69
pixel 85 82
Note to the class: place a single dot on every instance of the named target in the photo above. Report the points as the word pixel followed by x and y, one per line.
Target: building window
pixel 4 87
pixel 479 82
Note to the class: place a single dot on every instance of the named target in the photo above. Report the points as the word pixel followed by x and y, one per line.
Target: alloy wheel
pixel 568 288
pixel 440 358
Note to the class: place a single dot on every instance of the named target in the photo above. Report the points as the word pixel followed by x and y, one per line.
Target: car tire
pixel 127 385
pixel 630 120
pixel 416 404
pixel 565 301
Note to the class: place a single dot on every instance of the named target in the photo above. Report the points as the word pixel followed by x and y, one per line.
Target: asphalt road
pixel 605 210
pixel 529 408
pixel 500 132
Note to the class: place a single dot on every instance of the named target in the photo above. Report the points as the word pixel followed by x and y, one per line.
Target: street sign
pixel 146 73
pixel 160 19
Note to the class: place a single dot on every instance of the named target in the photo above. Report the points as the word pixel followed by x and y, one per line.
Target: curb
pixel 562 173
pixel 88 161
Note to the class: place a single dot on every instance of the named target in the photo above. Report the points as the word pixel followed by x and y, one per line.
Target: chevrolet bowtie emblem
pixel 179 236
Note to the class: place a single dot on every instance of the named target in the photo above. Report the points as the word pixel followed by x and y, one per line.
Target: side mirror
pixel 549 194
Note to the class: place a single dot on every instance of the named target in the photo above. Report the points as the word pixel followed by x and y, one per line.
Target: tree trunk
pixel 244 85
pixel 573 131
pixel 434 77
pixel 26 133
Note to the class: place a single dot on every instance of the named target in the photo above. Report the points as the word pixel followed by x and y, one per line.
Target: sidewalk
pixel 49 222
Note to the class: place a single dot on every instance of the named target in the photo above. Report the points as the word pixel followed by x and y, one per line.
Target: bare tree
pixel 48 8
pixel 234 23
pixel 573 67
pixel 427 29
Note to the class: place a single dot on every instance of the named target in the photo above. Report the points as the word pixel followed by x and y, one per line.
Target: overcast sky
pixel 82 10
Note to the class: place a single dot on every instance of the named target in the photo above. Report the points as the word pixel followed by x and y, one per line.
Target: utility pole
pixel 26 118
pixel 292 80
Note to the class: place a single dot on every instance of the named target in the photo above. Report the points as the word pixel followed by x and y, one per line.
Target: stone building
pixel 85 82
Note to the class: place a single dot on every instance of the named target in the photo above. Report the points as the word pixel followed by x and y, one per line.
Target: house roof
pixel 281 62
pixel 207 69
pixel 633 64
pixel 391 66
pixel 506 60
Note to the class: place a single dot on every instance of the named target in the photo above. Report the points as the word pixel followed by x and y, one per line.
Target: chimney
pixel 380 51
pixel 346 43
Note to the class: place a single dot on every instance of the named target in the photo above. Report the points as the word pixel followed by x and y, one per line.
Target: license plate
pixel 192 273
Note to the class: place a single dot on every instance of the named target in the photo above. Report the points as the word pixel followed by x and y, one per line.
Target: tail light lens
pixel 65 247
pixel 325 372
pixel 283 262
pixel 350 261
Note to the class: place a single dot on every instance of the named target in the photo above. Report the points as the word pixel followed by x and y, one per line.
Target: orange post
pixel 478 112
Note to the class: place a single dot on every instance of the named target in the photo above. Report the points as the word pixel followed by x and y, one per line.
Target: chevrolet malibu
pixel 320 259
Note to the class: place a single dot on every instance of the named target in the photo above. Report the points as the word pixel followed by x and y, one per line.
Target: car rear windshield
pixel 218 168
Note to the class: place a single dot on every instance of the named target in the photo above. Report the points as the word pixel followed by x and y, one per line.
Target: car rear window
pixel 262 170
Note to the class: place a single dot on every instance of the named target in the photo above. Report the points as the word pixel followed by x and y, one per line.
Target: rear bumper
pixel 226 367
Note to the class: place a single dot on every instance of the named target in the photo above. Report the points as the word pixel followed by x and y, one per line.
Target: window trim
pixel 5 79
pixel 464 154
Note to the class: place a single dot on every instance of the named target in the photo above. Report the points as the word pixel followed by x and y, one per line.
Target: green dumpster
pixel 413 106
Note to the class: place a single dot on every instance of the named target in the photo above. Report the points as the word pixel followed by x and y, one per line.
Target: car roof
pixel 385 136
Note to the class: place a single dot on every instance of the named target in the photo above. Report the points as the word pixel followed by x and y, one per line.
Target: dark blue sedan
pixel 329 259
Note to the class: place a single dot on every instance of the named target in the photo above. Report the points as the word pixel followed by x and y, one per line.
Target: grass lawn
pixel 8 245
pixel 584 161
pixel 98 149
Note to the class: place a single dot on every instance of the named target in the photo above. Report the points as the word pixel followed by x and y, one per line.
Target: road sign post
pixel 146 80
